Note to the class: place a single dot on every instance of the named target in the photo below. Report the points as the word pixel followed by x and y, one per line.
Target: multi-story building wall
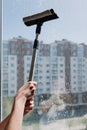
pixel 61 68
pixel 18 49
pixel 12 75
pixel 57 69
pixel 4 69
pixel 73 71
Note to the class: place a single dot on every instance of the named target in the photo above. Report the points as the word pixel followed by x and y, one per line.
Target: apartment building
pixel 61 68
pixel 4 69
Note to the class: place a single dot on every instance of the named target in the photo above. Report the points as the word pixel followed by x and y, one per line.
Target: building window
pixel 47 83
pixel 48 77
pixel 28 58
pixel 12 65
pixel 74 65
pixel 54 72
pixel 36 71
pixel 47 71
pixel 74 59
pixel 12 91
pixel 84 82
pixel 40 83
pixel 48 89
pixel 80 88
pixel 47 65
pixel 12 71
pixel 74 77
pixel 61 71
pixel 28 71
pixel 28 65
pixel 40 77
pixel 41 90
pixel 74 89
pixel 74 71
pixel 54 77
pixel 54 65
pixel 35 78
pixel 74 82
pixel 5 59
pixel 12 58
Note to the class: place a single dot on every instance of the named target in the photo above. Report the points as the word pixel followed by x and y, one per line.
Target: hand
pixel 24 99
pixel 29 105
pixel 30 100
pixel 23 103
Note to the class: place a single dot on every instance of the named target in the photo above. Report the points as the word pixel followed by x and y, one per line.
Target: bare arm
pixel 23 104
pixel 4 122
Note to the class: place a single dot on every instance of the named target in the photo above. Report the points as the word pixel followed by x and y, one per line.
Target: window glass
pixel 60 66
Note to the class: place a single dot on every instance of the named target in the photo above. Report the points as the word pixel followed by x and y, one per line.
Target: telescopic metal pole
pixel 35 47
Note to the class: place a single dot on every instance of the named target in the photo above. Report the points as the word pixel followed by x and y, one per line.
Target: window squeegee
pixel 38 19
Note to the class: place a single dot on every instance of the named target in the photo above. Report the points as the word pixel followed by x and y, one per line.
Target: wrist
pixel 18 106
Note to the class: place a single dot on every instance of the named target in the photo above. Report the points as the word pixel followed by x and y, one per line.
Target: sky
pixel 71 25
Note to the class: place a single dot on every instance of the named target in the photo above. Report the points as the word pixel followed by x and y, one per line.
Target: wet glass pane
pixel 60 67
